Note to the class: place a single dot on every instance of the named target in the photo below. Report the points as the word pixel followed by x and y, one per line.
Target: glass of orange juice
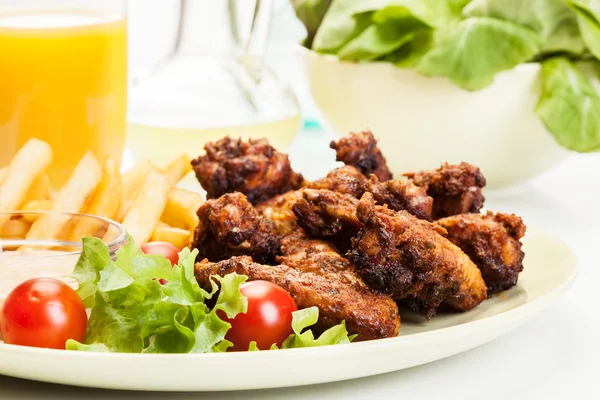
pixel 63 78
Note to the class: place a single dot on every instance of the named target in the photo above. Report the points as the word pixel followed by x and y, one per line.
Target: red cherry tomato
pixel 268 319
pixel 43 312
pixel 167 250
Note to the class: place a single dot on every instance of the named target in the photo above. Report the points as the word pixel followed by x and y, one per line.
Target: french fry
pixel 181 207
pixel 132 181
pixel 33 158
pixel 147 207
pixel 70 199
pixel 3 172
pixel 36 205
pixel 104 201
pixel 14 228
pixel 177 169
pixel 180 238
pixel 133 178
pixel 40 189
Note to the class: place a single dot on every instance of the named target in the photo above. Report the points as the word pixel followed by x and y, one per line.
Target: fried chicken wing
pixel 253 168
pixel 340 296
pixel 492 241
pixel 455 189
pixel 404 256
pixel 393 251
pixel 360 150
pixel 231 226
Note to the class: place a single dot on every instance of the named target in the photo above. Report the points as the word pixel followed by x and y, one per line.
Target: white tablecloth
pixel 554 356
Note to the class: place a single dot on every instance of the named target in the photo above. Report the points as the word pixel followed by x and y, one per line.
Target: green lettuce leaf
pixel 588 17
pixel 171 335
pixel 569 106
pixel 456 6
pixel 311 13
pixel 474 50
pixel 410 54
pixel 551 19
pixel 75 345
pixel 303 337
pixel 394 27
pixel 93 259
pixel 132 312
pixel 347 19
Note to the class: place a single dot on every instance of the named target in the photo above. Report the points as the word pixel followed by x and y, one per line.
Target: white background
pixel 554 356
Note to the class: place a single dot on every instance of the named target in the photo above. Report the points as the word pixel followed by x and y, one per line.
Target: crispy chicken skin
pixel 401 195
pixel 305 254
pixel 340 296
pixel 455 189
pixel 279 211
pixel 346 179
pixel 492 241
pixel 231 226
pixel 252 167
pixel 404 256
pixel 393 251
pixel 397 194
pixel 360 150
pixel 330 215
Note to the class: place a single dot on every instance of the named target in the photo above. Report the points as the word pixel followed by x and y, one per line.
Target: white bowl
pixel 421 122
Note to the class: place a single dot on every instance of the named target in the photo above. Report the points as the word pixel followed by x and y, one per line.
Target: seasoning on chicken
pixel 346 179
pixel 394 252
pixel 492 241
pixel 404 256
pixel 340 296
pixel 231 226
pixel 254 168
pixel 455 189
pixel 401 195
pixel 329 215
pixel 278 210
pixel 397 194
pixel 360 150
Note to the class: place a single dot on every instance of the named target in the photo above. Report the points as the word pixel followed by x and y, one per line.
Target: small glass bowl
pixel 23 258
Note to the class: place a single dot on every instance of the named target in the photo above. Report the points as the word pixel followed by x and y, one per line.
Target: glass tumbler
pixel 63 79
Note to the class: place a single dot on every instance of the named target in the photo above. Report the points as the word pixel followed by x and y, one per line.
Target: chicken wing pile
pixel 357 242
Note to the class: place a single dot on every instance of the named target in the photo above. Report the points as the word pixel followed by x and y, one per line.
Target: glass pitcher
pixel 212 83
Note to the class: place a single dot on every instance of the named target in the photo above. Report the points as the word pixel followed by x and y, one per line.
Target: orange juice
pixel 63 79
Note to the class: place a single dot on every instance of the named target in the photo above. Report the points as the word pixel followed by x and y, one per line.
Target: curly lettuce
pixel 132 312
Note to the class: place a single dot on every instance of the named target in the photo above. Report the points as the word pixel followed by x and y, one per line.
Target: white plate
pixel 550 268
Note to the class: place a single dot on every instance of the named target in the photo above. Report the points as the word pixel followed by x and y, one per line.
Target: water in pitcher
pixel 170 115
pixel 213 83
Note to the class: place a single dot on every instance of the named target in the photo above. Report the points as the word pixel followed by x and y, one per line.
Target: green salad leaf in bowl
pixel 470 41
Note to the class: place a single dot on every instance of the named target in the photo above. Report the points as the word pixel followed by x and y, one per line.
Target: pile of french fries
pixel 144 199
